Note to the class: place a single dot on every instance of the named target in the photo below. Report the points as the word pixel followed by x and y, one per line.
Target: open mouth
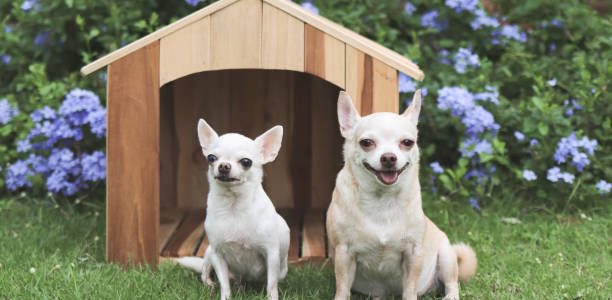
pixel 387 177
pixel 226 178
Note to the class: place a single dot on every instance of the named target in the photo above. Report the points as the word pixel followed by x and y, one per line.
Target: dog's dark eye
pixel 407 143
pixel 211 158
pixel 366 143
pixel 246 163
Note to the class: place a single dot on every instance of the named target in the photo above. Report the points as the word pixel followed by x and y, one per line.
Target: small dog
pixel 382 242
pixel 247 238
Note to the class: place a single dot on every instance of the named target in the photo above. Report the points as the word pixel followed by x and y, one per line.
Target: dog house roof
pixel 348 37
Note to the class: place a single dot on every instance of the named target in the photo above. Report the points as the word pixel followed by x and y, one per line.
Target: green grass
pixel 57 252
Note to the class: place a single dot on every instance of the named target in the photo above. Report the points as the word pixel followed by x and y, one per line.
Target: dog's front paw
pixel 451 297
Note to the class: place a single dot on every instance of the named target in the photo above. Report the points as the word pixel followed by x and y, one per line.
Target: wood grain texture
pixel 355 75
pixel 185 238
pixel 185 51
pixel 313 234
pixel 168 149
pixel 202 247
pixel 325 143
pixel 324 56
pixel 282 40
pixel 191 183
pixel 294 220
pixel 133 180
pixel 351 38
pixel 168 223
pixel 385 93
pixel 154 36
pixel 300 150
pixel 278 104
pixel 236 36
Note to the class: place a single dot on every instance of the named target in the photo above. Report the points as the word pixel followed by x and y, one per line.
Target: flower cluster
pixel 54 149
pixel 570 105
pixel 554 174
pixel 462 5
pixel 483 20
pixel 7 111
pixel 463 59
pixel 406 84
pixel 603 186
pixel 193 2
pixel 310 7
pixel 409 8
pixel 431 19
pixel 510 32
pixel 569 149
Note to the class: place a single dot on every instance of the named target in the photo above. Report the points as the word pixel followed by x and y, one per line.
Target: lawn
pixel 56 251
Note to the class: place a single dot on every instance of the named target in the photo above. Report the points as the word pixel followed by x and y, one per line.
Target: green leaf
pixel 543 128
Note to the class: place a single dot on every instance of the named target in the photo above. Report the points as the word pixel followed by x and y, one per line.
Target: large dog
pixel 382 242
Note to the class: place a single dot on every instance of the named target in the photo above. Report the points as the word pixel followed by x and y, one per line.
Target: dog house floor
pixel 182 234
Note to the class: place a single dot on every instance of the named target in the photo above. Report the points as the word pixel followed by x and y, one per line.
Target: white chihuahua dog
pixel 382 242
pixel 248 240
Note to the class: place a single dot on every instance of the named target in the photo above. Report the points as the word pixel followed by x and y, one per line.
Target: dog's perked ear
pixel 414 109
pixel 270 142
pixel 348 117
pixel 206 135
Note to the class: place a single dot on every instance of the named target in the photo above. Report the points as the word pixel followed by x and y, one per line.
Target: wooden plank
pixel 325 143
pixel 300 150
pixel 313 234
pixel 155 36
pixel 294 221
pixel 168 222
pixel 167 148
pixel 203 246
pixel 132 189
pixel 324 56
pixel 351 38
pixel 247 102
pixel 191 183
pixel 184 240
pixel 355 75
pixel 278 110
pixel 282 40
pixel 185 51
pixel 236 36
pixel 385 91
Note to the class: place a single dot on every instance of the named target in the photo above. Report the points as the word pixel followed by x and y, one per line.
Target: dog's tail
pixel 466 259
pixel 191 262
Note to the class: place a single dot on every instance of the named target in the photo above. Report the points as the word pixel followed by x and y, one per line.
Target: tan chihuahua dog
pixel 382 242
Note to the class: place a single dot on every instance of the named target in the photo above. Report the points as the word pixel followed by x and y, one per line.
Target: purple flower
pixel 444 57
pixel 474 203
pixel 457 99
pixel 193 2
pixel 38 163
pixel 519 135
pixel 94 166
pixel 430 19
pixel 23 146
pixel 8 29
pixel 6 59
pixel 569 148
pixel 28 4
pixel 462 5
pixel 41 38
pixel 483 147
pixel 465 58
pixel 406 84
pixel 491 95
pixel 556 22
pixel 552 82
pixel 7 111
pixel 436 167
pixel 603 187
pixel 78 104
pixel 529 175
pixel 571 105
pixel 17 175
pixel 533 142
pixel 97 122
pixel 511 32
pixel 45 113
pixel 554 174
pixel 478 120
pixel 483 20
pixel 409 8
pixel 307 5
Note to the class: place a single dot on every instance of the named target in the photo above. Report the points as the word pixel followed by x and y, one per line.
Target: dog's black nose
pixel 388 160
pixel 224 168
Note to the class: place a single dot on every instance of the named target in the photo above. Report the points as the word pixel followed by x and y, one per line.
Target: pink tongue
pixel 388 177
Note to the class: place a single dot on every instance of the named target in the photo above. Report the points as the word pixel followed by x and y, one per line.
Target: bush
pixel 517 95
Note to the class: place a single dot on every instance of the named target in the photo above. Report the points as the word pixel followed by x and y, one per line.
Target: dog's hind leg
pixel 448 271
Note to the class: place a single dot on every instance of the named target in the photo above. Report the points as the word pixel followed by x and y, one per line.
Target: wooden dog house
pixel 244 66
